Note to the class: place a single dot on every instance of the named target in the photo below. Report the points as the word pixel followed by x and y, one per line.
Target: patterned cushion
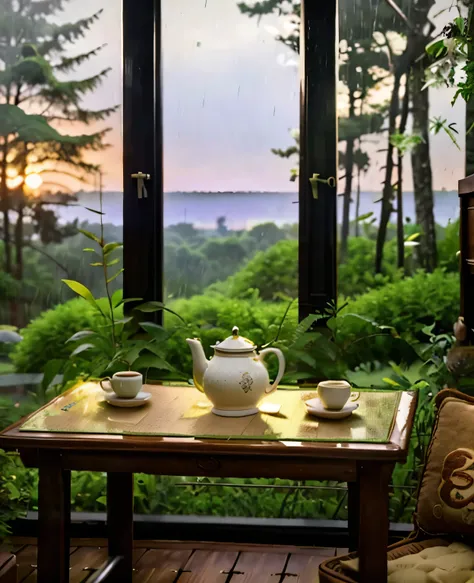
pixel 446 496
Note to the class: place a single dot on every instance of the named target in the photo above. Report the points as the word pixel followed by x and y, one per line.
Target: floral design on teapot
pixel 246 382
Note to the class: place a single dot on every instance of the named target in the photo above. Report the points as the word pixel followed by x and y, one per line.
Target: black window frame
pixel 143 152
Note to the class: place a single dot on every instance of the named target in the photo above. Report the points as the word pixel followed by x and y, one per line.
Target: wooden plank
pixel 208 567
pixel 224 546
pixel 13 546
pixel 8 568
pixel 84 561
pixel 26 561
pixel 160 566
pixel 259 568
pixel 305 568
pixel 180 545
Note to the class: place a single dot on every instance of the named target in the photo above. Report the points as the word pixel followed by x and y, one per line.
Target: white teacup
pixel 334 394
pixel 126 384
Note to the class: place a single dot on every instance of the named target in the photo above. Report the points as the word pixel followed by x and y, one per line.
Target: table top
pixel 106 432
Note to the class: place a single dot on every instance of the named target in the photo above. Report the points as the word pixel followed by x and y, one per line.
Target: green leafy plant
pixel 322 352
pixel 411 304
pixel 405 143
pixel 15 489
pixel 440 124
pixel 118 343
pixel 451 54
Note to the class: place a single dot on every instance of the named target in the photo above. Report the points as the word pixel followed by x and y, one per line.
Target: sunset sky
pixel 230 95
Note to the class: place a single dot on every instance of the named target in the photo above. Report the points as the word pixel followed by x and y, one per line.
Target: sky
pixel 231 93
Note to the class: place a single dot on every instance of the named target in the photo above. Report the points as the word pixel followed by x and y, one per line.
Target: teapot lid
pixel 235 343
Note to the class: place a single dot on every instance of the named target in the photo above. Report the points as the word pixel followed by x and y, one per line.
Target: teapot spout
pixel 200 362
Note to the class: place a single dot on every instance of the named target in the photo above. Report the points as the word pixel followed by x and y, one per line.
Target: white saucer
pixel 316 408
pixel 137 401
pixel 242 413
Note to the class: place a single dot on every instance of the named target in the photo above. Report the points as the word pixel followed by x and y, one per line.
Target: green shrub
pixel 212 317
pixel 273 272
pixel 413 303
pixel 44 338
pixel 448 246
pixel 356 275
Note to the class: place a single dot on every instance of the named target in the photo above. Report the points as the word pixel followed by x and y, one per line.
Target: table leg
pixel 353 514
pixel 373 481
pixel 54 515
pixel 120 522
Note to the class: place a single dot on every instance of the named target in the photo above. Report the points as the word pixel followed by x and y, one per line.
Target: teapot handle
pixel 281 369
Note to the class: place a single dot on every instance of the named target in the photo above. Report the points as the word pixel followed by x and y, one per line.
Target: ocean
pixel 242 210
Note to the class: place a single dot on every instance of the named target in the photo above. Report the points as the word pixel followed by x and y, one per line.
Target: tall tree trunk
pixel 387 194
pixel 357 213
pixel 422 174
pixel 5 208
pixel 349 169
pixel 19 243
pixel 400 217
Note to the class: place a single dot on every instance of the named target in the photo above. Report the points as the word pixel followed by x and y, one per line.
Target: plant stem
pixel 104 262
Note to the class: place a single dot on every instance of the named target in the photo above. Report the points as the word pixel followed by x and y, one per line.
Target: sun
pixel 33 181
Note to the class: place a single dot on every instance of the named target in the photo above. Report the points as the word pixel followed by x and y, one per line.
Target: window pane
pixel 231 111
pixel 402 152
pixel 54 168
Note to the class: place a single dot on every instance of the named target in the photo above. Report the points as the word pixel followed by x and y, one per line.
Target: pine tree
pixel 33 58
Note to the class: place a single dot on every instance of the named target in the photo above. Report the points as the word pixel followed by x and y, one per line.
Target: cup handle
pixel 355 396
pixel 108 389
pixel 281 369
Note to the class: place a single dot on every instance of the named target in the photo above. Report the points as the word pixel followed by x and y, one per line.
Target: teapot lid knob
pixel 235 331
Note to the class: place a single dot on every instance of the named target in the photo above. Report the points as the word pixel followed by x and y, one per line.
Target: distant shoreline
pixel 243 210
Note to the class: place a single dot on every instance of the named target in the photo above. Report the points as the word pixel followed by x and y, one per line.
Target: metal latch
pixel 316 181
pixel 141 188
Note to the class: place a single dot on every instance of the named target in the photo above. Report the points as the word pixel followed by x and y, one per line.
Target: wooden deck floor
pixel 174 562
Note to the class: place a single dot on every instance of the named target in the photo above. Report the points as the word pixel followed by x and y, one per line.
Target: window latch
pixel 316 180
pixel 141 188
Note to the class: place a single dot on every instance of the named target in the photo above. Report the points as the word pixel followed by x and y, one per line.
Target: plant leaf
pixel 93 211
pixel 156 331
pixel 113 262
pixel 89 250
pixel 150 307
pixel 51 370
pixel 115 275
pixel 151 361
pixel 364 217
pixel 97 264
pixel 81 290
pixel 80 335
pixel 156 307
pixel 82 348
pixel 89 235
pixel 111 247
pixel 117 297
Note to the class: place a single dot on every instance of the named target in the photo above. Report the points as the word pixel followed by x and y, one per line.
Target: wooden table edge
pixel 395 450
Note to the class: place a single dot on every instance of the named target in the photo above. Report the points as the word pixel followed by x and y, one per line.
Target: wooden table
pixel 366 467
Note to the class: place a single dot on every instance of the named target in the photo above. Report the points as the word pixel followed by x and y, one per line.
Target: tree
pixel 363 66
pixel 33 54
pixel 362 164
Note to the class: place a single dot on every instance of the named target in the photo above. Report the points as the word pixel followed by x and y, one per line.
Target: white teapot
pixel 236 379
